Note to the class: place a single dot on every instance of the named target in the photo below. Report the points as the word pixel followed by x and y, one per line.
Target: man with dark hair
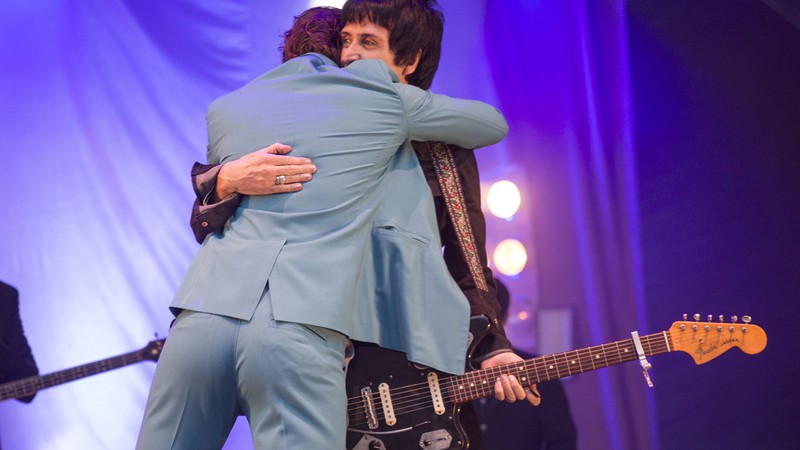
pixel 16 359
pixel 414 30
pixel 265 310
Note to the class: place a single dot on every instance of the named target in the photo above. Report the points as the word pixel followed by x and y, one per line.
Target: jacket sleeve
pixel 481 302
pixel 465 123
pixel 209 214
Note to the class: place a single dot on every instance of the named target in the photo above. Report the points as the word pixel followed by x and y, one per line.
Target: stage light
pixel 503 199
pixel 510 257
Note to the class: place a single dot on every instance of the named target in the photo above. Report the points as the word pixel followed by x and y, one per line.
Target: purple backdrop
pixel 657 167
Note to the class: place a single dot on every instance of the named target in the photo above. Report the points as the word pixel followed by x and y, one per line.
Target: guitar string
pixel 584 358
pixel 450 384
pixel 38 382
pixel 449 387
pixel 31 385
pixel 585 354
pixel 536 363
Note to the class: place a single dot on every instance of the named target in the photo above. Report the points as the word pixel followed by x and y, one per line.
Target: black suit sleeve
pixel 209 214
pixel 16 358
pixel 481 302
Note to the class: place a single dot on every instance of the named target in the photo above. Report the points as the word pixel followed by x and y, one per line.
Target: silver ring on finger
pixel 280 179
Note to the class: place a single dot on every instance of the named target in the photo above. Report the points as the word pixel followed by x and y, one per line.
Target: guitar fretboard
pixel 480 383
pixel 26 387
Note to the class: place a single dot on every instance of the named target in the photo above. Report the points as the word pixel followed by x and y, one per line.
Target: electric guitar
pixel 394 404
pixel 26 387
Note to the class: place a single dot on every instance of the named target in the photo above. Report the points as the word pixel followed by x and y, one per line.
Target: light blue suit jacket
pixel 357 250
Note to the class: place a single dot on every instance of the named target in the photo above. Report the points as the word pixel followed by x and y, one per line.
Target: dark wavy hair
pixel 414 26
pixel 314 30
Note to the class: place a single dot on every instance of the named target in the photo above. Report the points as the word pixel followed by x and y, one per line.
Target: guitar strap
pixel 445 168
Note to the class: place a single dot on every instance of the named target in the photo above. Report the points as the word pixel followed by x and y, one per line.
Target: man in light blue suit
pixel 266 307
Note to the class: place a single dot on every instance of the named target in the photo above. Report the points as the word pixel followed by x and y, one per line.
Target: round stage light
pixel 510 257
pixel 503 199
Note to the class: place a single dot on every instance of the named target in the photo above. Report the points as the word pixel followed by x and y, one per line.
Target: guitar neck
pixel 480 383
pixel 26 387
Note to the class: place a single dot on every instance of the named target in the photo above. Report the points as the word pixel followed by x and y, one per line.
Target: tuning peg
pixel 710 318
pixel 696 317
pixel 721 318
pixel 685 317
pixel 746 319
pixel 734 319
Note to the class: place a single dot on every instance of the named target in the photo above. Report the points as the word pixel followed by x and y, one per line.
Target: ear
pixel 408 69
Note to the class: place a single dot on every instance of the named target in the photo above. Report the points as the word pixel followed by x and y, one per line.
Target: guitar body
pixel 373 365
pixel 418 424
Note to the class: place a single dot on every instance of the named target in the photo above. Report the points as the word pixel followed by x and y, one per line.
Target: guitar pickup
pixel 436 393
pixel 386 403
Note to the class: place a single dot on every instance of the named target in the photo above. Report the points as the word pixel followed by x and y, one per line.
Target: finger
pixel 285 188
pixel 301 178
pixel 289 161
pixel 507 391
pixel 498 390
pixel 300 169
pixel 534 397
pixel 277 149
pixel 518 390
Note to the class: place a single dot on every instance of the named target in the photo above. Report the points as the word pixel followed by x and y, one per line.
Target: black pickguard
pixel 418 425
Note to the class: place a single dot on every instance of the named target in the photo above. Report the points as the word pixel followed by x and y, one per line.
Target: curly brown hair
pixel 314 30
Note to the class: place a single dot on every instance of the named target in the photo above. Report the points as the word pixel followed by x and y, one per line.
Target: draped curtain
pixel 102 109
pixel 562 75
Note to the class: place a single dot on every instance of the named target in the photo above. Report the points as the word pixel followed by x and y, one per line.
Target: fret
pixel 473 385
pixel 538 365
pixel 598 355
pixel 488 384
pixel 457 393
pixel 628 354
pixel 545 366
pixel 565 366
pixel 552 366
pixel 619 354
pixel 521 373
pixel 579 358
pixel 533 367
pixel 605 355
pixel 574 366
pixel 591 358
pixel 647 347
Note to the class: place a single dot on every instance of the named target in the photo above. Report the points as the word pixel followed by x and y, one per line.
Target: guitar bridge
pixel 369 408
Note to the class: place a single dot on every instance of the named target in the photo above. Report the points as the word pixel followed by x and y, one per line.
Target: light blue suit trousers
pixel 276 372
